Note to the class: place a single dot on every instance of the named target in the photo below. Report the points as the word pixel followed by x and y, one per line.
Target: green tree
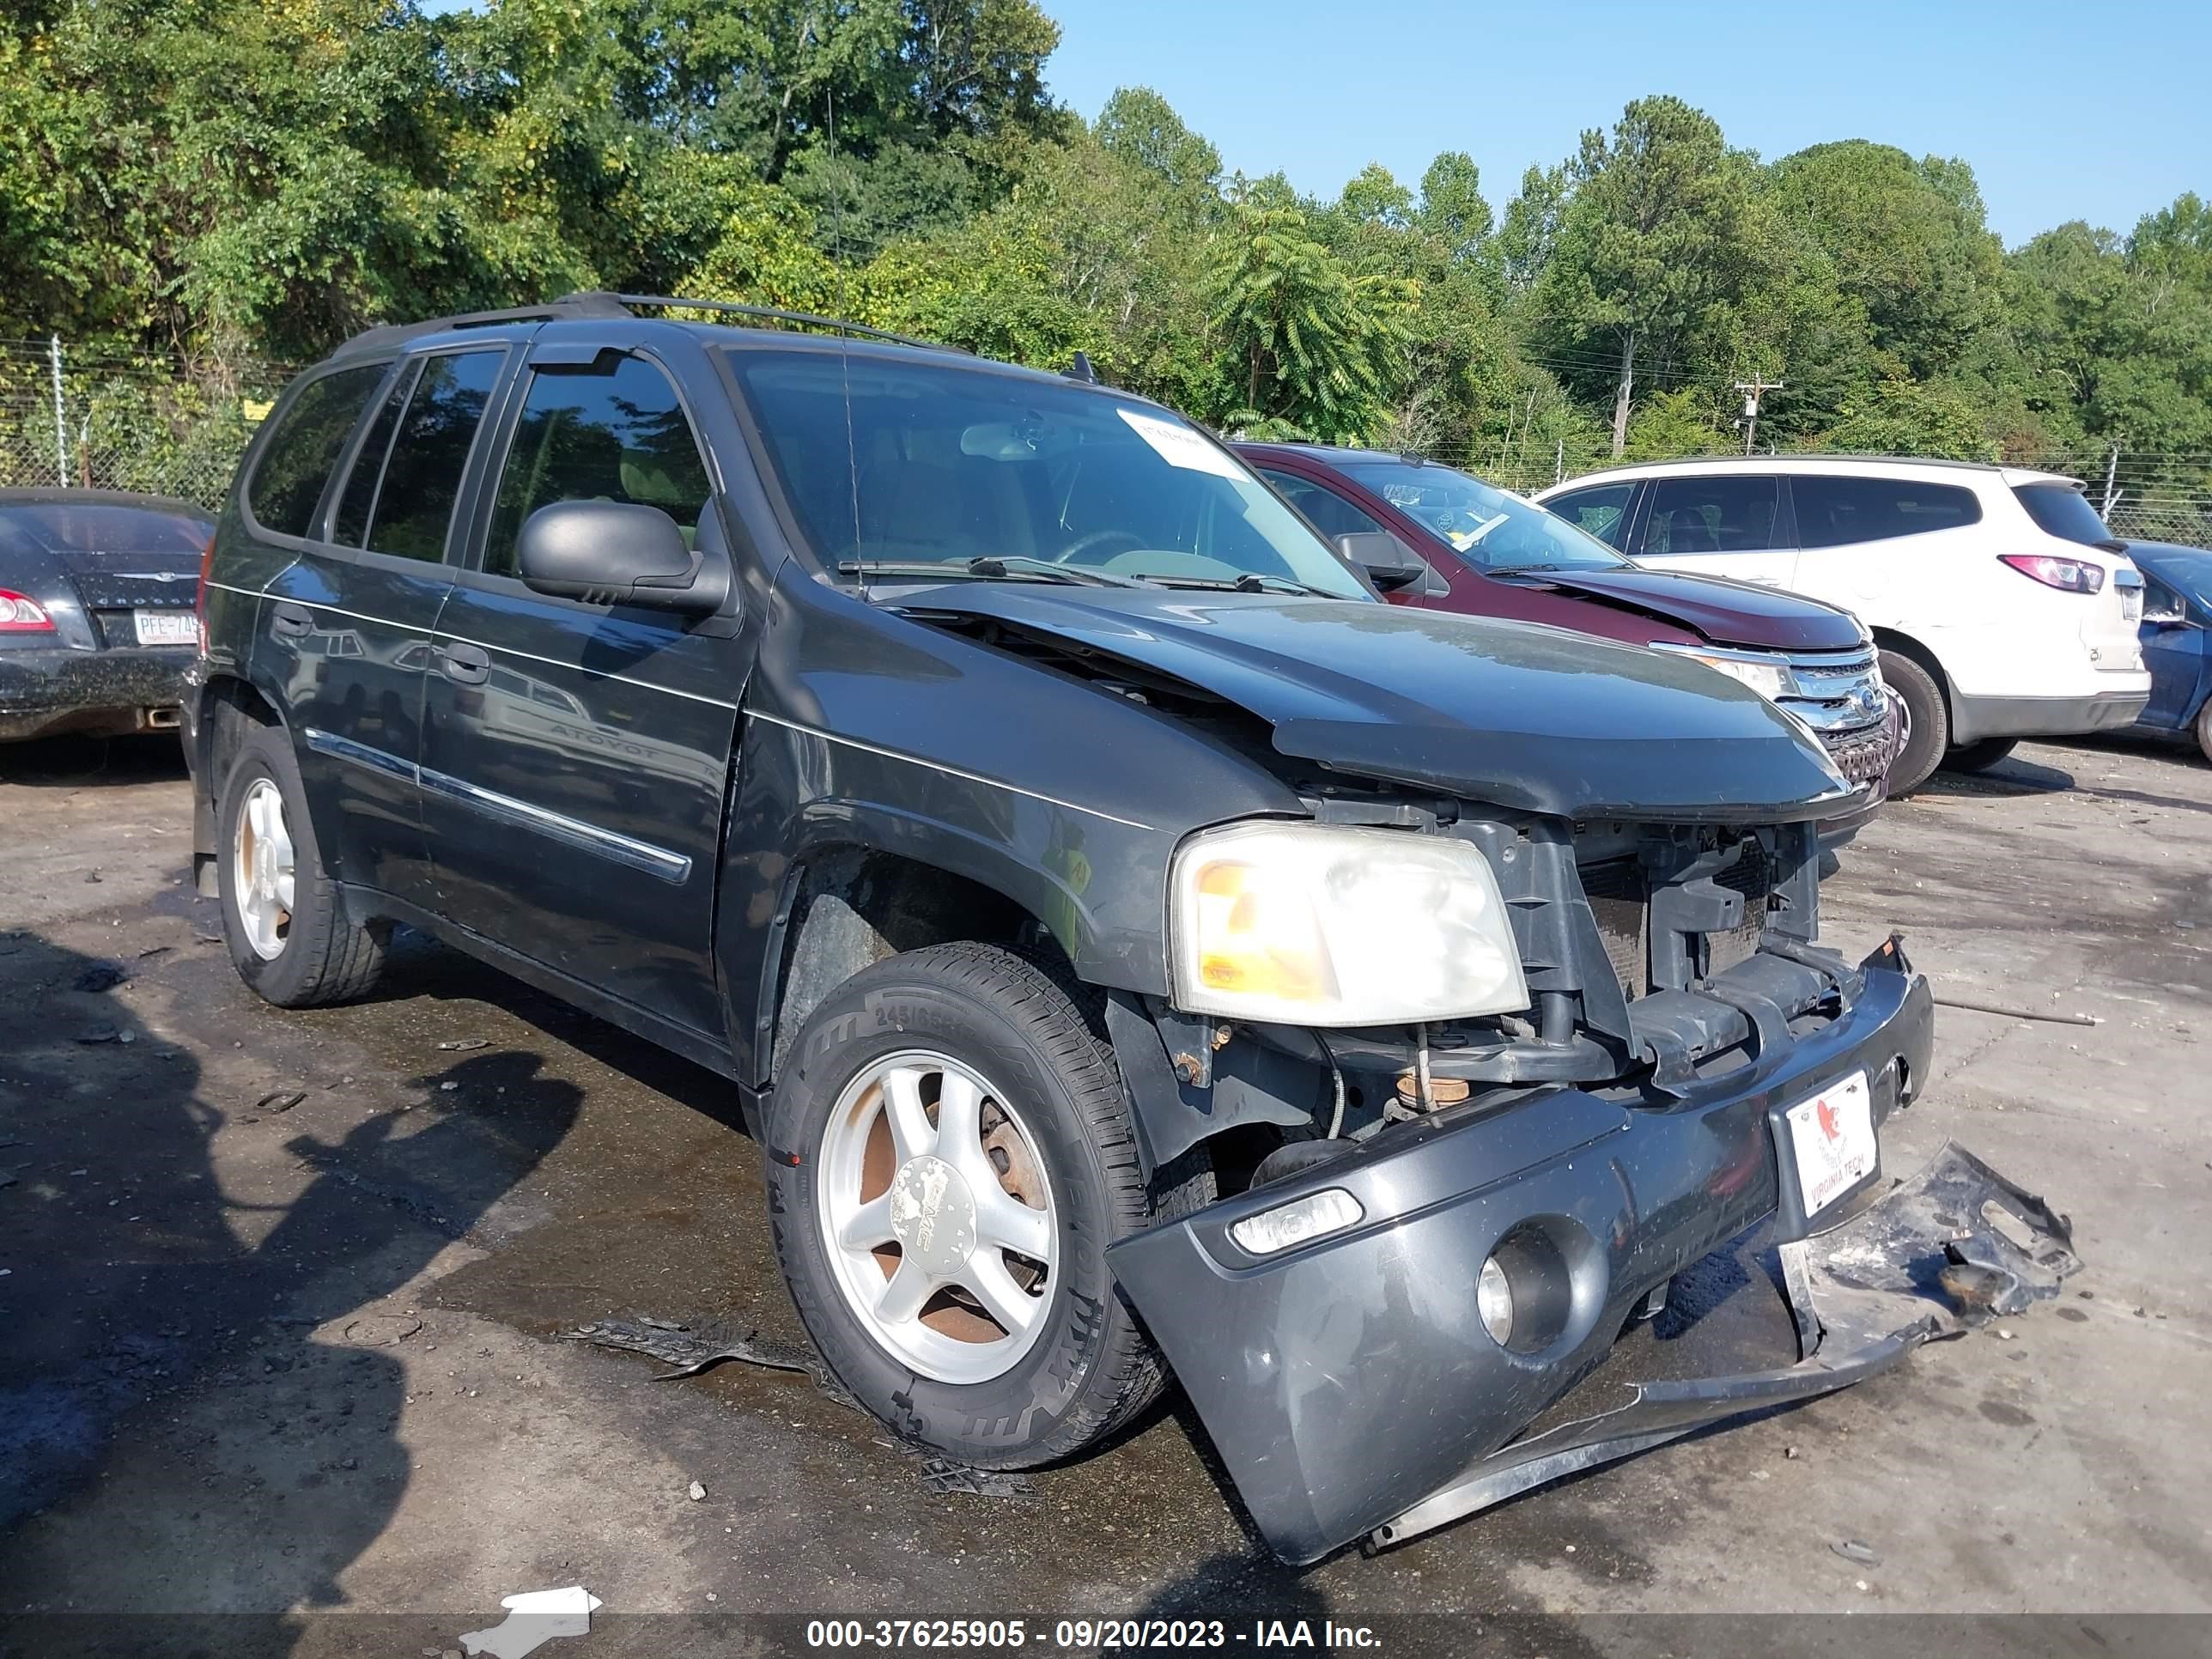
pixel 1308 346
pixel 1904 240
pixel 1654 247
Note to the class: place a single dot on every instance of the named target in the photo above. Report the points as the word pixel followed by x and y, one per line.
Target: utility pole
pixel 1752 391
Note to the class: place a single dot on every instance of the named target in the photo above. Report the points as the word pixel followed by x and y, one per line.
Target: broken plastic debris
pixel 941 1474
pixel 698 1493
pixel 280 1102
pixel 534 1617
pixel 1852 1550
pixel 379 1330
pixel 461 1045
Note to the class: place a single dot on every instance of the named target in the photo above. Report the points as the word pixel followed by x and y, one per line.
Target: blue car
pixel 2176 638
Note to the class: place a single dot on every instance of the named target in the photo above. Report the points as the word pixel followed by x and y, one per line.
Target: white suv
pixel 2003 607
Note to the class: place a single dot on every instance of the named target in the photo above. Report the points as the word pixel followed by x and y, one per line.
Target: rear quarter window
pixel 2063 511
pixel 294 466
pixel 1834 512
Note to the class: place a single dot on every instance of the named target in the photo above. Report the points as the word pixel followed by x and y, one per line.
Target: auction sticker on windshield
pixel 1833 1136
pixel 1178 445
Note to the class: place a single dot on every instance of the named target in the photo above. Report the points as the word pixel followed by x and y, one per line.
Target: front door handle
pixel 291 622
pixel 469 664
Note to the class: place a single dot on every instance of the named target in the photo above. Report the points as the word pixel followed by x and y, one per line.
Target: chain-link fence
pixel 105 421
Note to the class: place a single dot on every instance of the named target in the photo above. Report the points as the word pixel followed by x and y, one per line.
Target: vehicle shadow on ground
pixel 82 762
pixel 144 1278
pixel 421 966
pixel 2012 776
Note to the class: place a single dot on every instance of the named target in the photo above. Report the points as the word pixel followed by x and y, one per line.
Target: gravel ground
pixel 282 1292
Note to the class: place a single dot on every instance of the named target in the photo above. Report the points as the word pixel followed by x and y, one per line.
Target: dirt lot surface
pixel 278 1327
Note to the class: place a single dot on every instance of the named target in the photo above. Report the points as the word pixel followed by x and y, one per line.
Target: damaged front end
pixel 1405 1322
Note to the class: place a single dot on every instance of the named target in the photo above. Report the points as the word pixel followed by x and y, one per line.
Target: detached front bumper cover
pixel 1933 1258
pixel 1352 1391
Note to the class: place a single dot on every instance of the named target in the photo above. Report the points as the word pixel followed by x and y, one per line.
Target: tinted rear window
pixel 1711 515
pixel 1831 511
pixel 89 528
pixel 350 522
pixel 1600 511
pixel 288 480
pixel 2063 511
pixel 423 479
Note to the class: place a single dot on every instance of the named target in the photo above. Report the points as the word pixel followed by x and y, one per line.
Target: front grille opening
pixel 1619 894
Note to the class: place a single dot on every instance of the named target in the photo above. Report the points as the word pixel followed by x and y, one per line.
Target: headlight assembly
pixel 1768 675
pixel 1305 924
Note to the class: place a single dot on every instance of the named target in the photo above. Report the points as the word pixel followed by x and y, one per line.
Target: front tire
pixel 2204 730
pixel 289 935
pixel 949 1154
pixel 1928 724
pixel 1979 757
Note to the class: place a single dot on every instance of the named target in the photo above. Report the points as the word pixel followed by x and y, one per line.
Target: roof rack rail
pixel 568 305
pixel 770 314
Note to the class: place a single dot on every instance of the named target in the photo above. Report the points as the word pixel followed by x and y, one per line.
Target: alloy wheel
pixel 937 1216
pixel 262 871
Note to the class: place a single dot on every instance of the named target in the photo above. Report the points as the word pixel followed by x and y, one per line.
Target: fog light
pixel 1287 1225
pixel 1493 1301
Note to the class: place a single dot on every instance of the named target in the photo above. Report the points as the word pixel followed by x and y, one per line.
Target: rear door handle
pixel 291 622
pixel 469 664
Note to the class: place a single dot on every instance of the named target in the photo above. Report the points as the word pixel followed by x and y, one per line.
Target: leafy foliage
pixel 217 186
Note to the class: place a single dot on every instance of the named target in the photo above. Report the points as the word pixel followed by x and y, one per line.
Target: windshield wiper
pixel 990 567
pixel 1019 564
pixel 1250 582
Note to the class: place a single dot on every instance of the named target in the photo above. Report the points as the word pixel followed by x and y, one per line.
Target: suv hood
pixel 1527 718
pixel 1725 612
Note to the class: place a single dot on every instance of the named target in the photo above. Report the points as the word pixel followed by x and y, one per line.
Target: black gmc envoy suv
pixel 1134 946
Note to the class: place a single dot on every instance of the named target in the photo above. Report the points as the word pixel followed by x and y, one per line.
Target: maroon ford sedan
pixel 1431 535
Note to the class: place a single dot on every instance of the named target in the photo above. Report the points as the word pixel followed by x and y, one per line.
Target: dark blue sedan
pixel 2176 638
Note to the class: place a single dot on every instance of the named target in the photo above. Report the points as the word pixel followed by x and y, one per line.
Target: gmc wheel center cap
pixel 932 1215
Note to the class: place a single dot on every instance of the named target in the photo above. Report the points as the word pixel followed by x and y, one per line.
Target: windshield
pixel 102 527
pixel 977 474
pixel 1491 529
pixel 2061 510
pixel 2188 573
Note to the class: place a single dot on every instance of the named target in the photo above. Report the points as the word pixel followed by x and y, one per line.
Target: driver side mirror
pixel 1388 562
pixel 611 553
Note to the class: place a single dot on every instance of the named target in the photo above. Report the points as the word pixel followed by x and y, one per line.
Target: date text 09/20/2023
pixel 1087 1634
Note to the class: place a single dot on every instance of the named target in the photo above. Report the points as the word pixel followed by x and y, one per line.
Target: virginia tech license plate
pixel 1831 1136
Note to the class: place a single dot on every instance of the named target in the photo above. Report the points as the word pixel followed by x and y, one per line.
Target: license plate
pixel 166 627
pixel 1831 1136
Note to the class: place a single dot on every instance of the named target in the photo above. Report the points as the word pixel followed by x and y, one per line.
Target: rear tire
pixel 2204 730
pixel 289 935
pixel 966 1021
pixel 1928 733
pixel 1979 757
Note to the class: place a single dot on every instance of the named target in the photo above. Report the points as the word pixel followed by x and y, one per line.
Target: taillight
pixel 199 596
pixel 2071 575
pixel 20 616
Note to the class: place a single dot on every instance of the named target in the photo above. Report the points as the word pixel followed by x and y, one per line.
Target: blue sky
pixel 2101 114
